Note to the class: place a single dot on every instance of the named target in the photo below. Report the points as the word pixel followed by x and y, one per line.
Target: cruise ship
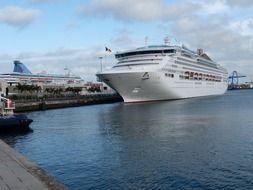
pixel 165 72
pixel 22 74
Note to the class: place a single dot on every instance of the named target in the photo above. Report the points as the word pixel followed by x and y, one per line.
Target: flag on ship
pixel 108 49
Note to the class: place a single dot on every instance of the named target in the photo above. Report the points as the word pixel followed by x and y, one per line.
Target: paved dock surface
pixel 17 173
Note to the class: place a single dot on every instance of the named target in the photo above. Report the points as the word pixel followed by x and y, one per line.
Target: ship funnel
pixel 20 68
pixel 200 51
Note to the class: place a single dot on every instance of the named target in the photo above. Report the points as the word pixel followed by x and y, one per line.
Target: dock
pixel 18 173
pixel 54 103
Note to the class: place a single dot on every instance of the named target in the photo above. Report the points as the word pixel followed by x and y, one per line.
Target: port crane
pixel 234 78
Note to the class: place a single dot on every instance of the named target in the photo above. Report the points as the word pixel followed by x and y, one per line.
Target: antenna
pixel 68 70
pixel 146 41
pixel 167 40
pixel 101 65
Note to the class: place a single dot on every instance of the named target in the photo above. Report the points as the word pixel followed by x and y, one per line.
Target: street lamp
pixel 101 67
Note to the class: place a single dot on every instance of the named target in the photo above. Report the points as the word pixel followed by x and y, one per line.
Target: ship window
pixel 169 51
pixel 169 75
pixel 144 52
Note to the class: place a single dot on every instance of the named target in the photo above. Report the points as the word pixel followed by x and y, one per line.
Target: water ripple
pixel 200 143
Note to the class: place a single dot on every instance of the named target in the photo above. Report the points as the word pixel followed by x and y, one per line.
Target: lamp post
pixel 101 67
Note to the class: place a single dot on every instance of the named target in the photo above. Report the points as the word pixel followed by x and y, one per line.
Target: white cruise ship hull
pixel 138 87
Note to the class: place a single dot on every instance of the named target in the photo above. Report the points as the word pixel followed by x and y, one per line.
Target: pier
pixel 18 173
pixel 63 102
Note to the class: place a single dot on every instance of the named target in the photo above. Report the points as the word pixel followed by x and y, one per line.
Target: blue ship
pixel 22 74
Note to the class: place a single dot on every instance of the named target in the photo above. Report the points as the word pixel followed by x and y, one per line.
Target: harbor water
pixel 199 143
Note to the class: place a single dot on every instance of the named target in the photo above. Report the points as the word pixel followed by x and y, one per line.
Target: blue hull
pixel 15 123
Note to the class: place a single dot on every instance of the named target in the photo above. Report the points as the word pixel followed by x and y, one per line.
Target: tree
pixel 74 90
pixel 29 88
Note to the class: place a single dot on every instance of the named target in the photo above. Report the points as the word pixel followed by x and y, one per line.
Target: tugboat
pixel 10 122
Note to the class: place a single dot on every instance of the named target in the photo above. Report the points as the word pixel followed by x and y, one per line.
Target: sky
pixel 52 35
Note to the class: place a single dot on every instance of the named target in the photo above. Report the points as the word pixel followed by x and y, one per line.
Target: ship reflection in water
pixel 201 143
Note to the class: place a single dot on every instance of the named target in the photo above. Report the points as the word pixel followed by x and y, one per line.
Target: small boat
pixel 10 122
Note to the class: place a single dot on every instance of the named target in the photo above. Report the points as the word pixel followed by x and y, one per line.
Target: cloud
pixel 118 9
pixel 83 62
pixel 245 26
pixel 213 7
pixel 46 1
pixel 170 12
pixel 5 56
pixel 221 38
pixel 196 23
pixel 17 16
pixel 141 10
pixel 122 39
pixel 240 3
pixel 227 37
pixel 62 52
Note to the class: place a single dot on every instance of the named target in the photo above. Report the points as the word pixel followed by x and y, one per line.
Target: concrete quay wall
pixel 23 106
